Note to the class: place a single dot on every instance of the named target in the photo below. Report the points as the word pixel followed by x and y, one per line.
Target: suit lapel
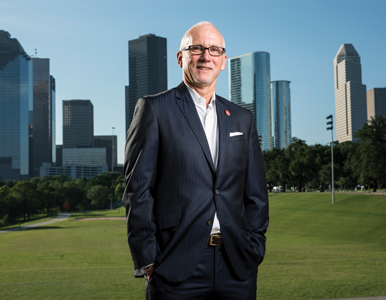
pixel 223 125
pixel 188 109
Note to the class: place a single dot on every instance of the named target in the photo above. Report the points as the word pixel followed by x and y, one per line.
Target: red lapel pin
pixel 227 112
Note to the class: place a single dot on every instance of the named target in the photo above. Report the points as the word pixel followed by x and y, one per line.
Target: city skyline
pixel 87 47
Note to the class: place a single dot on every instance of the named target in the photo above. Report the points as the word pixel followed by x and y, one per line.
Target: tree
pixel 67 206
pixel 73 192
pixel 11 183
pixel 344 170
pixel 371 154
pixel 270 170
pixel 46 194
pixel 103 179
pixel 25 191
pixel 117 178
pixel 5 204
pixel 99 195
pixel 302 160
pixel 119 190
pixel 281 165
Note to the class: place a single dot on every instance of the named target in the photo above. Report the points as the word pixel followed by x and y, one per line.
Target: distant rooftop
pixel 347 50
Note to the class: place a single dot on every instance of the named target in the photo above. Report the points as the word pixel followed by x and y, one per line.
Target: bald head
pixel 200 70
pixel 187 38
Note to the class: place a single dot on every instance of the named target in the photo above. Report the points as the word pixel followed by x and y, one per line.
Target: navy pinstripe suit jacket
pixel 172 188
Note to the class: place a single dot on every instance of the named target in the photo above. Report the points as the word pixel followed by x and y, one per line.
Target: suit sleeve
pixel 256 202
pixel 140 170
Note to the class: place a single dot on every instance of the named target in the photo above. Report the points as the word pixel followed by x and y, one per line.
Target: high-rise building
pixel 16 108
pixel 110 143
pixel 44 124
pixel 249 87
pixel 147 70
pixel 350 93
pixel 87 156
pixel 78 123
pixel 59 155
pixel 376 102
pixel 281 113
pixel 72 170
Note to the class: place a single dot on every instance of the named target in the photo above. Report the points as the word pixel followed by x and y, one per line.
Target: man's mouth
pixel 203 68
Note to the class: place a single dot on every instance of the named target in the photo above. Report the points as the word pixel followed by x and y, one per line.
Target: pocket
pixel 236 138
pixel 168 220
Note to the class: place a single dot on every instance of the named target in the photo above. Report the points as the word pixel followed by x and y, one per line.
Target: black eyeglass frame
pixel 203 50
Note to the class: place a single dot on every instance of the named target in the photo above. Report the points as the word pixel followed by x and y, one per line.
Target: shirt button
pixel 209 222
pixel 217 192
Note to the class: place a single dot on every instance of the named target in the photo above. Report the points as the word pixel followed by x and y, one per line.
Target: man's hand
pixel 148 273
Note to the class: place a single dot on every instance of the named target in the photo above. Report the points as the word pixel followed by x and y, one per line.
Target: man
pixel 196 197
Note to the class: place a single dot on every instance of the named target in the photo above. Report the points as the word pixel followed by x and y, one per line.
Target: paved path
pixel 60 217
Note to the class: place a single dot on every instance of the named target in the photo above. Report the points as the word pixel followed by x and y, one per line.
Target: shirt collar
pixel 198 100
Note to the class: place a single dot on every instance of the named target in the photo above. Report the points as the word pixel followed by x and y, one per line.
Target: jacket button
pixel 209 222
pixel 217 192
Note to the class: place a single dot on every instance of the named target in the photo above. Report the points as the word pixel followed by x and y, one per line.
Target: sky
pixel 87 44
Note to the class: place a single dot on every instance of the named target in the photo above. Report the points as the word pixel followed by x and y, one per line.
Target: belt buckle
pixel 211 242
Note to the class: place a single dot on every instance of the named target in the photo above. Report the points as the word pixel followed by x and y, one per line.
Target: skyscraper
pixel 147 70
pixel 78 123
pixel 376 102
pixel 350 93
pixel 281 113
pixel 249 87
pixel 44 124
pixel 110 143
pixel 16 102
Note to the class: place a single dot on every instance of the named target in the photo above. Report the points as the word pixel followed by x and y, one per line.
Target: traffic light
pixel 260 140
pixel 330 123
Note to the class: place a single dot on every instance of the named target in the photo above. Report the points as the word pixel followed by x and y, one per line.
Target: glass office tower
pixel 15 108
pixel 52 117
pixel 249 87
pixel 281 113
pixel 43 130
pixel 147 71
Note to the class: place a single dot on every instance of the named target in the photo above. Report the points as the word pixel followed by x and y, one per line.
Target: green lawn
pixel 315 250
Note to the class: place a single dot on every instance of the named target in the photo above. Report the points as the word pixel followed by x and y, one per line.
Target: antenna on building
pixel 36 53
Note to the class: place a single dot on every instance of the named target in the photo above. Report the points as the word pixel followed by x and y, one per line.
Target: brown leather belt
pixel 215 240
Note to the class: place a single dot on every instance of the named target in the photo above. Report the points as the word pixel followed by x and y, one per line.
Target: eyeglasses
pixel 199 49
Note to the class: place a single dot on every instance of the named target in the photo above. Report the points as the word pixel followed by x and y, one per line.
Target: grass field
pixel 315 250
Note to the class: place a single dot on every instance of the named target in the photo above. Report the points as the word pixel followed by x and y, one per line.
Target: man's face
pixel 201 70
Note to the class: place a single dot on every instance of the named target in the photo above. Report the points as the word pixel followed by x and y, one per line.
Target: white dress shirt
pixel 208 118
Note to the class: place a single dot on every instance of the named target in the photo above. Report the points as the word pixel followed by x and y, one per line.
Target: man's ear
pixel 179 58
pixel 224 63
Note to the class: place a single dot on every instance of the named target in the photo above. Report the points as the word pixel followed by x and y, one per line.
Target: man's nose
pixel 205 55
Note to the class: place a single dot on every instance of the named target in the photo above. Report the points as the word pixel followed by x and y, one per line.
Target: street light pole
pixel 330 123
pixel 112 151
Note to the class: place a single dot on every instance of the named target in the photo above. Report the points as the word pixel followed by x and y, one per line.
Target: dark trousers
pixel 212 279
